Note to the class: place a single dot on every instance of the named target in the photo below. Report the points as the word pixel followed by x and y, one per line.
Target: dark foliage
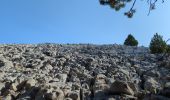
pixel 157 44
pixel 119 4
pixel 168 49
pixel 131 41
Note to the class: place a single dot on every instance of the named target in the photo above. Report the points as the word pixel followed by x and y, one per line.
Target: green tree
pixel 119 4
pixel 131 41
pixel 168 49
pixel 157 44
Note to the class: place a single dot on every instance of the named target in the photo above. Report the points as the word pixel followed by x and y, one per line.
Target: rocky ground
pixel 82 72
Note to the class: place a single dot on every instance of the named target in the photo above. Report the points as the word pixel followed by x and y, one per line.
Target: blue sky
pixel 78 21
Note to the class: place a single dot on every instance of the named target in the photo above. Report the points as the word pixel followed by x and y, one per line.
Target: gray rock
pixel 81 71
pixel 2 86
pixel 8 97
pixel 62 77
pixel 151 85
pixel 5 64
pixel 30 83
pixel 156 97
pixel 167 85
pixel 74 95
pixel 120 87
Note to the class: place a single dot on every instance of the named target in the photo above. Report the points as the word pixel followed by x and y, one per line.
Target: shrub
pixel 131 41
pixel 157 44
pixel 168 49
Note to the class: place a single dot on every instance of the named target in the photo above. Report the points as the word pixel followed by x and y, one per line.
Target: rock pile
pixel 82 72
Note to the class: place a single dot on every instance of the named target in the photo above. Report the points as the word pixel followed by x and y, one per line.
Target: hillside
pixel 82 72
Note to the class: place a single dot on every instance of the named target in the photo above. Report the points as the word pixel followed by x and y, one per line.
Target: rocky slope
pixel 82 72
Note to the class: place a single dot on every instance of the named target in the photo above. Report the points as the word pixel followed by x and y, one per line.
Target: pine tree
pixel 131 41
pixel 157 44
pixel 168 49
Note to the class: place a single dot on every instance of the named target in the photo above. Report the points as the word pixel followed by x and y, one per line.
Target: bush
pixel 157 44
pixel 131 41
pixel 168 49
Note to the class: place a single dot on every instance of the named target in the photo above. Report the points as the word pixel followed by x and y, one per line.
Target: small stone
pixel 73 95
pixel 167 85
pixel 62 77
pixel 30 83
pixel 120 87
pixel 151 85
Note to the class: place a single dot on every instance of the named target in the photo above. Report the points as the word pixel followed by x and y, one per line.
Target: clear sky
pixel 78 21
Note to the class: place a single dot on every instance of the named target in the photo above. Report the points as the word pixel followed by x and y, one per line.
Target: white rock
pixel 62 77
pixel 151 85
pixel 30 83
